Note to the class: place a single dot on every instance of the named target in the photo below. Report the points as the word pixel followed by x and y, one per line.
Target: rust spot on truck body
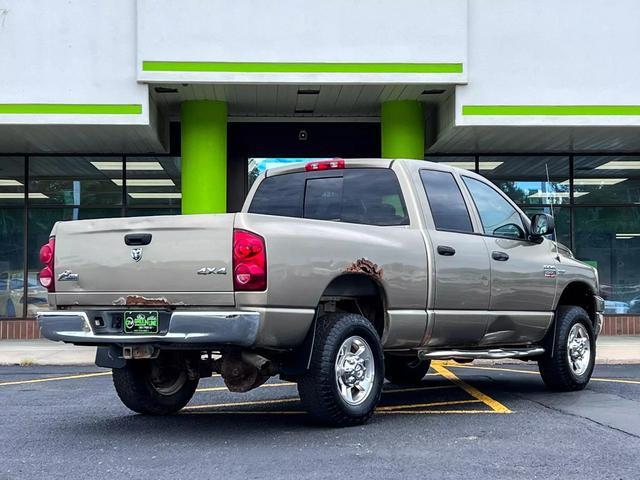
pixel 362 265
pixel 140 301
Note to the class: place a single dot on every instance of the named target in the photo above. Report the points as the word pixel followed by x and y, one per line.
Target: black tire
pixel 155 387
pixel 405 370
pixel 555 366
pixel 319 389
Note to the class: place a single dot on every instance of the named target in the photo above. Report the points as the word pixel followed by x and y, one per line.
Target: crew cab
pixel 335 275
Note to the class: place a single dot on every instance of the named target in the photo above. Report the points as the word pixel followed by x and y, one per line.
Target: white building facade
pixel 144 107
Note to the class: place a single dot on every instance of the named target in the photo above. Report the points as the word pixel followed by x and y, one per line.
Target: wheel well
pixel 356 293
pixel 581 295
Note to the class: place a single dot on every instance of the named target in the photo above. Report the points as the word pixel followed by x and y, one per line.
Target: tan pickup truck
pixel 335 275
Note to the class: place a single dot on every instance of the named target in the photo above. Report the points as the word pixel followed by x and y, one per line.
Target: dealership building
pixel 154 107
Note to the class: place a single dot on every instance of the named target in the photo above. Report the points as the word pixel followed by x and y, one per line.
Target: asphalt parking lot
pixel 461 422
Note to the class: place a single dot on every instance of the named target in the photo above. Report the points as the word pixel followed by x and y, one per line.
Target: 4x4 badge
pixel 136 254
pixel 550 271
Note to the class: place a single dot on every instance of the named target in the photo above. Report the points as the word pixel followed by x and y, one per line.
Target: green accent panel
pixel 204 156
pixel 294 67
pixel 551 110
pixel 403 129
pixel 70 109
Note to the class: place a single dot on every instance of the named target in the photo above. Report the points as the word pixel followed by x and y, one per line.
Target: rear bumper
pixel 237 328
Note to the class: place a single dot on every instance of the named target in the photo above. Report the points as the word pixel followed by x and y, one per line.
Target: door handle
pixel 500 256
pixel 137 239
pixel 446 250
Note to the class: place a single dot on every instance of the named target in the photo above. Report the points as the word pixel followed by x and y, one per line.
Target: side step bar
pixel 494 353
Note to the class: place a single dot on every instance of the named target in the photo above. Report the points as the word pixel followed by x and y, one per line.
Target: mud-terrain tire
pixel 155 387
pixel 344 382
pixel 405 370
pixel 568 361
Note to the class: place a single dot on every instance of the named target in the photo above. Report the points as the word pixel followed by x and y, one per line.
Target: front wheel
pixel 344 382
pixel 570 354
pixel 156 387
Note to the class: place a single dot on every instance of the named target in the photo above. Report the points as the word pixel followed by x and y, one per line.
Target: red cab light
pixel 334 163
pixel 249 261
pixel 47 255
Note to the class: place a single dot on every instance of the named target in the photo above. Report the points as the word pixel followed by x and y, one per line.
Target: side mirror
pixel 541 225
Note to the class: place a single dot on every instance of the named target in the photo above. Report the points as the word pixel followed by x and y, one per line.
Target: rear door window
pixel 445 201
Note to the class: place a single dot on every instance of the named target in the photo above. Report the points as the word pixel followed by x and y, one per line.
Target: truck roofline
pixel 371 163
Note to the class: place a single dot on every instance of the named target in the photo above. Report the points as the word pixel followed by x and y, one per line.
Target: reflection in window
pixel 75 180
pixel 609 238
pixel 524 178
pixel 12 193
pixel 466 163
pixel 154 181
pixel 498 217
pixel 562 217
pixel 606 179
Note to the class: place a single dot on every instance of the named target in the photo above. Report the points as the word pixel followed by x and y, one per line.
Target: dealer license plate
pixel 138 322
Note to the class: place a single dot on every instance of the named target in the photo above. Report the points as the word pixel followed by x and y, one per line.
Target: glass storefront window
pixel 606 179
pixel 609 239
pixel 562 217
pixel 154 181
pixel 75 181
pixel 524 178
pixel 467 163
pixel 255 166
pixel 12 193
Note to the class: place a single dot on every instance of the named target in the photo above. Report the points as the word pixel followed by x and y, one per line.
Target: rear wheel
pixel 405 370
pixel 344 382
pixel 570 354
pixel 156 387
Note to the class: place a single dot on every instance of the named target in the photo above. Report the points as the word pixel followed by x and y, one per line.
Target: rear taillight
pixel 249 261
pixel 47 254
pixel 324 165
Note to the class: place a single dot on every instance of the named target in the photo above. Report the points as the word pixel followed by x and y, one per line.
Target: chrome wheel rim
pixel 579 349
pixel 355 370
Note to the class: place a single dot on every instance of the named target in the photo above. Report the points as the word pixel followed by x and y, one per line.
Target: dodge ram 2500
pixel 335 275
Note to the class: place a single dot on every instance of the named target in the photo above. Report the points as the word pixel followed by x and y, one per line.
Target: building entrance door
pixel 252 147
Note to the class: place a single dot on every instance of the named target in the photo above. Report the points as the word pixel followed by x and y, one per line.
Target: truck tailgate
pixel 186 253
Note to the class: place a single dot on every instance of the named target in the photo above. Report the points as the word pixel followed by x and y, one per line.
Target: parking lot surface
pixel 462 421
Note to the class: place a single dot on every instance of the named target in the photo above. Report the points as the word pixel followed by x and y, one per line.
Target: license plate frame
pixel 141 322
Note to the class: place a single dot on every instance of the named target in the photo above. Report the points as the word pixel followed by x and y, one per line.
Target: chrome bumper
pixel 237 328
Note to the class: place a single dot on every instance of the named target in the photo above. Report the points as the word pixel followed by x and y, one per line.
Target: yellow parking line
pixel 594 379
pixel 418 389
pixel 425 405
pixel 291 384
pixel 474 392
pixel 225 389
pixel 438 412
pixel 242 404
pixel 53 379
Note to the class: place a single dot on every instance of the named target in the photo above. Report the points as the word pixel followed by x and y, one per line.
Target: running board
pixel 494 353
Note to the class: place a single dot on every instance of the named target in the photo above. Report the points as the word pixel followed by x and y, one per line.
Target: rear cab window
pixel 370 196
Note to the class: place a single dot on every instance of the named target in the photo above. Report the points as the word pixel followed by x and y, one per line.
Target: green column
pixel 403 128
pixel 204 156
